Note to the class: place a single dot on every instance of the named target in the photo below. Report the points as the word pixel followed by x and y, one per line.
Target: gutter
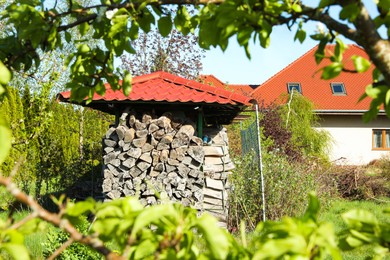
pixel 344 112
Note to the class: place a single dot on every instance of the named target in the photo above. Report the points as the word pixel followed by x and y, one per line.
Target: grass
pixel 338 207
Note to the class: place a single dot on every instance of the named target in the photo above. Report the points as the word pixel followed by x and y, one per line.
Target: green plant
pixel 57 237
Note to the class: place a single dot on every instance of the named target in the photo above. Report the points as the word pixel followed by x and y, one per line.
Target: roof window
pixel 338 89
pixel 294 86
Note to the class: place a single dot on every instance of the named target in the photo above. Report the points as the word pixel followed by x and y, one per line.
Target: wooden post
pixel 200 122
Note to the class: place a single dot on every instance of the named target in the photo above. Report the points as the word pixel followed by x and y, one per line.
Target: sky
pixel 233 67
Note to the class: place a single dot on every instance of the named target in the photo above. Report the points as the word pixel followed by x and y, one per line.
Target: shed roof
pixel 167 90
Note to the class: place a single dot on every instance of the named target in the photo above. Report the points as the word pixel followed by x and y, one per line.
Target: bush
pixel 363 182
pixel 286 188
pixel 56 238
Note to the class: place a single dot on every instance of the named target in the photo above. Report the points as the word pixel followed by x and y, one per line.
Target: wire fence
pixel 249 140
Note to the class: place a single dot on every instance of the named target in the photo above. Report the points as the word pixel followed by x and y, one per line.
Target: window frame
pixel 383 133
pixel 291 86
pixel 344 93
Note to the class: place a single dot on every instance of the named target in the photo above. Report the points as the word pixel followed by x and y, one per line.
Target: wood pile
pixel 155 159
pixel 217 167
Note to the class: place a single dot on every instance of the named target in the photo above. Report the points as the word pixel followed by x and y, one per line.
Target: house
pixel 336 102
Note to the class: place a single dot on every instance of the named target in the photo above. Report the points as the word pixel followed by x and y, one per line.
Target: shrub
pixel 56 238
pixel 286 188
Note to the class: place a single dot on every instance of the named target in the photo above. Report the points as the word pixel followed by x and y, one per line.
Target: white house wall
pixel 352 138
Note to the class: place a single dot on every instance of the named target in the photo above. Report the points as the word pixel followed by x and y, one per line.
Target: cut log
pixel 214 184
pixel 146 119
pixel 196 140
pixel 141 133
pixel 132 120
pixel 147 148
pixel 135 152
pixel 109 143
pixel 120 131
pixel 158 134
pixel 197 153
pixel 143 166
pixel 153 128
pixel 109 132
pixel 215 150
pixel 129 162
pixel 139 142
pixel 217 194
pixel 211 160
pixel 139 126
pixel 218 168
pixel 129 135
pixel 146 157
pixel 164 155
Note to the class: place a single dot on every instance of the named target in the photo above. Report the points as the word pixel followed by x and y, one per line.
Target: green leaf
pixel 79 208
pixel 361 64
pixel 296 8
pixel 126 83
pixel 358 218
pixel 300 35
pixel 350 12
pixel 5 140
pixel 313 208
pixel 384 4
pixel 83 28
pixel 152 215
pixel 165 25
pixel 16 251
pixel 332 70
pixel 215 237
pixel 5 74
pixel 324 3
pixel 375 92
pixel 68 36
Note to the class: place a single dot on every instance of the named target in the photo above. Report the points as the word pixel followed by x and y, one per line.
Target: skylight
pixel 294 86
pixel 338 89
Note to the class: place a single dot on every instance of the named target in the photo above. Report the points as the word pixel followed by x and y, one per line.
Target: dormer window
pixel 338 89
pixel 294 87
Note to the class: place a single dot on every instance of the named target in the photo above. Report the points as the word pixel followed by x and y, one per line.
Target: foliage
pixel 168 231
pixel 47 135
pixel 362 182
pixel 298 117
pixel 176 53
pixel 57 237
pixel 286 186
pixel 117 23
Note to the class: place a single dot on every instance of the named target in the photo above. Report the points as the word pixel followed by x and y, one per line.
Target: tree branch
pixel 54 219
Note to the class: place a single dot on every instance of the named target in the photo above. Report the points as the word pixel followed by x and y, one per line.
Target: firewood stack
pixel 217 167
pixel 155 159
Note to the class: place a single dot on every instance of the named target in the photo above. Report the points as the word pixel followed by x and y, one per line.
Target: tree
pixel 177 54
pixel 117 24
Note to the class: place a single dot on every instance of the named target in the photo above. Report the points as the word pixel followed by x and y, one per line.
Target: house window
pixel 381 139
pixel 338 89
pixel 295 87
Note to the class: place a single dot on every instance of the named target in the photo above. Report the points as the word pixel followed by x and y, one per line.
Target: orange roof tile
pixel 305 71
pixel 236 88
pixel 162 86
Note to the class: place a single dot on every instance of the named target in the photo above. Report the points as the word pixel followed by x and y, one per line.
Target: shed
pixel 168 139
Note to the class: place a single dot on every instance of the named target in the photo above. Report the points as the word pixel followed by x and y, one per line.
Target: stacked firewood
pixel 155 159
pixel 217 167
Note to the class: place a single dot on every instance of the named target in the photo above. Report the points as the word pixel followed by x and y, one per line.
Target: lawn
pixel 338 207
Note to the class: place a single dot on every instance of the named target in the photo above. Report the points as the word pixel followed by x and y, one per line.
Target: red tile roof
pixel 236 88
pixel 304 70
pixel 162 86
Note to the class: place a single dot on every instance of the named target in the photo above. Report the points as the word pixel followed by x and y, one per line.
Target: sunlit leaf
pixel 331 71
pixel 361 64
pixel 5 74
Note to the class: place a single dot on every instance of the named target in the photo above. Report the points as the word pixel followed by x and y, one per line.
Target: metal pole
pixel 260 160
